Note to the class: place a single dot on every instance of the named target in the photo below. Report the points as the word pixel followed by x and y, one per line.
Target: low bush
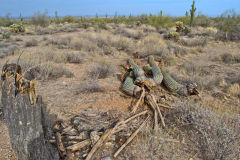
pixel 100 71
pixel 31 43
pixel 212 135
pixel 89 86
pixel 74 58
pixel 6 35
pixel 229 58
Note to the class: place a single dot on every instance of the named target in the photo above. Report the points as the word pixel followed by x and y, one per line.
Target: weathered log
pixel 27 125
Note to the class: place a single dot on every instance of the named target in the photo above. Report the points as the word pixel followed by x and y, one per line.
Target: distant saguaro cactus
pixel 192 13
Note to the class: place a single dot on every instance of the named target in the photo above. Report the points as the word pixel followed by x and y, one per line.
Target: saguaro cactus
pixel 192 12
pixel 27 124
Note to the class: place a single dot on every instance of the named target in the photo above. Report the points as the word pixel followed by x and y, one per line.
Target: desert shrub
pixel 147 28
pixel 203 21
pixel 228 25
pixel 45 70
pixel 122 43
pixel 130 33
pixel 214 136
pixel 16 28
pixel 234 79
pixel 18 39
pixel 89 86
pixel 234 90
pixel 31 43
pixel 40 19
pixel 6 21
pixel 176 49
pixel 153 44
pixel 55 71
pixel 229 58
pixel 100 71
pixel 74 58
pixel 61 42
pixel 190 72
pixel 102 25
pixel 194 42
pixel 43 30
pixel 69 19
pixel 169 60
pixel 6 35
pixel 68 28
pixel 83 44
pixel 187 30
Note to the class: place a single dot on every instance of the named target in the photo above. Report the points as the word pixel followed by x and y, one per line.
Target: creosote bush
pixel 31 43
pixel 214 136
pixel 100 71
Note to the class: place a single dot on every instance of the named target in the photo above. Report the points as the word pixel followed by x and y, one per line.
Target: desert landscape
pixel 76 64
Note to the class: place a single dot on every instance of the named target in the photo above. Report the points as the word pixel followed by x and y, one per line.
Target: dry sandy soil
pixel 213 65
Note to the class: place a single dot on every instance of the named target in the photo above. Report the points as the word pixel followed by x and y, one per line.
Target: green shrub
pixel 6 21
pixel 6 35
pixel 186 30
pixel 229 26
pixel 69 19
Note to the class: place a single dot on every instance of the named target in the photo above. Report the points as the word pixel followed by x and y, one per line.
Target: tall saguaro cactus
pixel 192 12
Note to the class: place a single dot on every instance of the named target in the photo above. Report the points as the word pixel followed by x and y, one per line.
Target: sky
pixel 27 8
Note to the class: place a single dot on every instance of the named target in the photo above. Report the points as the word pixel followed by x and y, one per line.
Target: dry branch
pixel 61 149
pixel 131 138
pixel 139 100
pixel 99 143
pixel 159 112
pixel 79 145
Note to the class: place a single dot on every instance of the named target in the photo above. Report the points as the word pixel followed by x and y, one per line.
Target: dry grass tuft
pixel 153 44
pixel 130 33
pixel 234 90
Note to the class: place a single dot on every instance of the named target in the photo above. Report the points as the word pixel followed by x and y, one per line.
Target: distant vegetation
pixel 228 24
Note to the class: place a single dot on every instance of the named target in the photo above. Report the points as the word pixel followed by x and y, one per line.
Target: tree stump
pixel 28 125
